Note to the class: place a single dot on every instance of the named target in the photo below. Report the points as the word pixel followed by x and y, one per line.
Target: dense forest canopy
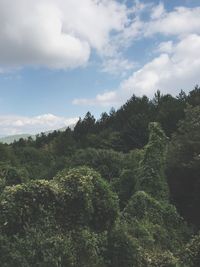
pixel 120 191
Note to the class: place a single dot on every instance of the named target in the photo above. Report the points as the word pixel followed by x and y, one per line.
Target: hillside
pixel 11 138
pixel 120 191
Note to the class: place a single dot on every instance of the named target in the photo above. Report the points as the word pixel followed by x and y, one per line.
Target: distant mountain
pixel 11 138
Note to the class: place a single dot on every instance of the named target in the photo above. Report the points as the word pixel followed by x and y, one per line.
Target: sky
pixel 61 58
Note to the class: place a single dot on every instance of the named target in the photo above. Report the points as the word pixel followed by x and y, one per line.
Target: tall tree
pixel 151 173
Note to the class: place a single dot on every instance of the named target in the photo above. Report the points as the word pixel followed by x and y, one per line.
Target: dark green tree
pixel 183 169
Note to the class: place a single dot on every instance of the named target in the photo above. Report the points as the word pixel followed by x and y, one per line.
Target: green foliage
pixel 107 162
pixel 106 139
pixel 193 98
pixel 183 168
pixel 49 247
pixel 169 111
pixel 88 199
pixel 64 144
pixel 38 163
pixel 83 128
pixel 124 186
pixel 151 176
pixel 60 193
pixel 12 176
pixel 37 248
pixel 46 223
pixel 161 259
pixel 123 249
pixel 155 223
pixel 28 204
pixel 190 256
pixel 88 247
pixel 5 153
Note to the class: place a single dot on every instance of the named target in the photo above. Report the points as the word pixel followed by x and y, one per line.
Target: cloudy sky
pixel 61 58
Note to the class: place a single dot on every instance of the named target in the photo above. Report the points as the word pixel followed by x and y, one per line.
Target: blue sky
pixel 61 58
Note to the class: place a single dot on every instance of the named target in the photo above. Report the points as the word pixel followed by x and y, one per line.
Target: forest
pixel 119 191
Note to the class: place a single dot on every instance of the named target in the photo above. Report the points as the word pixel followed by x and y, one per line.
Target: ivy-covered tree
pixel 151 172
pixel 88 199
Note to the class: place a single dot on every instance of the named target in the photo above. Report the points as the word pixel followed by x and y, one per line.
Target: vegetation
pixel 121 191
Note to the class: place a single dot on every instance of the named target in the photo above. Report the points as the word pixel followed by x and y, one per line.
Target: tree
pixel 191 254
pixel 28 205
pixel 123 249
pixel 183 168
pixel 151 173
pixel 194 96
pixel 107 162
pixel 12 176
pixel 124 186
pixel 87 201
pixel 83 128
pixel 169 110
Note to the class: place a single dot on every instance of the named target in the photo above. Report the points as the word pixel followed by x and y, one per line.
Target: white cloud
pixel 117 66
pixel 10 125
pixel 158 11
pixel 106 99
pixel 165 47
pixel 177 64
pixel 169 72
pixel 56 33
pixel 177 23
pixel 62 34
pixel 180 21
pixel 130 33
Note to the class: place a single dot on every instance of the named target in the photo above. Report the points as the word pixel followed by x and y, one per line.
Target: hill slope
pixel 11 138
